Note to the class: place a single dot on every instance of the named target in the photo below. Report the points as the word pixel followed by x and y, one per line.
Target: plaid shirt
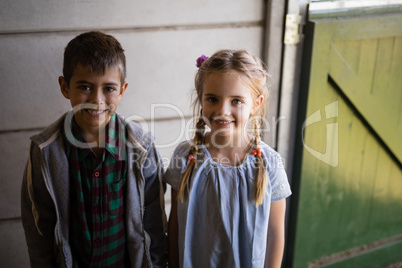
pixel 97 231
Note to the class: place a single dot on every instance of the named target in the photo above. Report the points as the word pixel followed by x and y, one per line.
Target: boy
pixel 92 194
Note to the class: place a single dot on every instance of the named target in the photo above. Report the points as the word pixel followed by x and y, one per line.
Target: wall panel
pixel 13 250
pixel 14 147
pixel 45 15
pixel 160 70
pixel 162 40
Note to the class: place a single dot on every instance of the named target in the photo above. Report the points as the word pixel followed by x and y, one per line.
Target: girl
pixel 228 187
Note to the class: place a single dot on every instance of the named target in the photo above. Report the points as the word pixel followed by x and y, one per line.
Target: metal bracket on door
pixel 292 36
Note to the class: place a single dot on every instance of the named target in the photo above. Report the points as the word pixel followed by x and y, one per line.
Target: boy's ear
pixel 258 102
pixel 123 89
pixel 64 87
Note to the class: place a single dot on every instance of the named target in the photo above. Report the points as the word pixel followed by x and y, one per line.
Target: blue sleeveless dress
pixel 219 223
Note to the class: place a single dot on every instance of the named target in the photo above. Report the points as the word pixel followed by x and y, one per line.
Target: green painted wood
pixel 378 258
pixel 394 81
pixel 355 12
pixel 359 200
pixel 373 109
pixel 362 29
pixel 367 64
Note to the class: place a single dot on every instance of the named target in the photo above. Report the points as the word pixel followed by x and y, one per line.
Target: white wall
pixel 162 40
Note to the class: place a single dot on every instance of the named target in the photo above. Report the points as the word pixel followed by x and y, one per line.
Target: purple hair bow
pixel 200 60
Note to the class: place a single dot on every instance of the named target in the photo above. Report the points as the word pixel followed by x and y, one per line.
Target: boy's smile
pixel 94 96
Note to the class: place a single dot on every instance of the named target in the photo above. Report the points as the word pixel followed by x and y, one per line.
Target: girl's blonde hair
pixel 253 72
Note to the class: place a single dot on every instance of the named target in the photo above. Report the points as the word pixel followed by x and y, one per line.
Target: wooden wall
pixel 162 40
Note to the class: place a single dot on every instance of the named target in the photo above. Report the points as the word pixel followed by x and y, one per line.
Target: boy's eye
pixel 83 87
pixel 237 101
pixel 109 89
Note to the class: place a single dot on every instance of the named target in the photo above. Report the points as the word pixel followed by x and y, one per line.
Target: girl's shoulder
pixel 276 173
pixel 177 164
pixel 182 149
pixel 268 152
pixel 272 158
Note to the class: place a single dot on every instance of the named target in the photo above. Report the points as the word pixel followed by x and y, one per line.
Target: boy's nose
pixel 97 96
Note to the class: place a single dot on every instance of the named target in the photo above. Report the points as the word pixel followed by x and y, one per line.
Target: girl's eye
pixel 237 101
pixel 212 99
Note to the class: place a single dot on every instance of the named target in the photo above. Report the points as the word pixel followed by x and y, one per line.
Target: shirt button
pixel 96 174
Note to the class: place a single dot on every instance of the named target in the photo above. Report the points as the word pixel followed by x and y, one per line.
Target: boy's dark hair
pixel 96 50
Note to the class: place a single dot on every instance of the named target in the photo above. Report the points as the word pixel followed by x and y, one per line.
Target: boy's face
pixel 97 94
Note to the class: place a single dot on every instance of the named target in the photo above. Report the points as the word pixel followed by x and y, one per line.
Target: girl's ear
pixel 64 87
pixel 258 102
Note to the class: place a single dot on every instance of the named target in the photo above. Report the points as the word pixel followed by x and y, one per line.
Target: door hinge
pixel 292 35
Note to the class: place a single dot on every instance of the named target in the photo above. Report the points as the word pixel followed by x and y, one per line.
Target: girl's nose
pixel 224 109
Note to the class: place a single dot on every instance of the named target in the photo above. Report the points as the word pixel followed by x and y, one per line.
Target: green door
pixel 347 204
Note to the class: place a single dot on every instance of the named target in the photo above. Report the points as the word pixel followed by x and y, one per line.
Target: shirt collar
pixel 114 139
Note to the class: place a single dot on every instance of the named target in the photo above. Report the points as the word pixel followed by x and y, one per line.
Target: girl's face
pixel 227 103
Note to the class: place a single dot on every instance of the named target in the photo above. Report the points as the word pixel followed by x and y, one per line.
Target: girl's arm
pixel 173 233
pixel 276 234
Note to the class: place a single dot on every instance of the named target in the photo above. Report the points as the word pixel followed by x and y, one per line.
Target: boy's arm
pixel 276 234
pixel 35 200
pixel 154 214
pixel 173 233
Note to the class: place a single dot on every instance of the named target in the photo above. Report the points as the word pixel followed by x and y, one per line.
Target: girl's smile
pixel 222 122
pixel 227 103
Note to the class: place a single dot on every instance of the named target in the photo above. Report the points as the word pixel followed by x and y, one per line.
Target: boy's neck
pixel 92 134
pixel 97 137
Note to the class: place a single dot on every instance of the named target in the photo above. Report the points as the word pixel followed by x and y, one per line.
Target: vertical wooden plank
pixel 367 182
pixel 394 95
pixel 351 52
pixel 367 64
pixel 392 221
pixel 332 191
pixel 382 68
pixel 358 188
pixel 314 184
pixel 380 195
pixel 313 177
pixel 320 195
pixel 352 139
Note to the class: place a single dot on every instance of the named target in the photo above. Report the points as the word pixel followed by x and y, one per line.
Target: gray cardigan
pixel 45 197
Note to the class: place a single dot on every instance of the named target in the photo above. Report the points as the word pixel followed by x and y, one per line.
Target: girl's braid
pixel 262 180
pixel 198 140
